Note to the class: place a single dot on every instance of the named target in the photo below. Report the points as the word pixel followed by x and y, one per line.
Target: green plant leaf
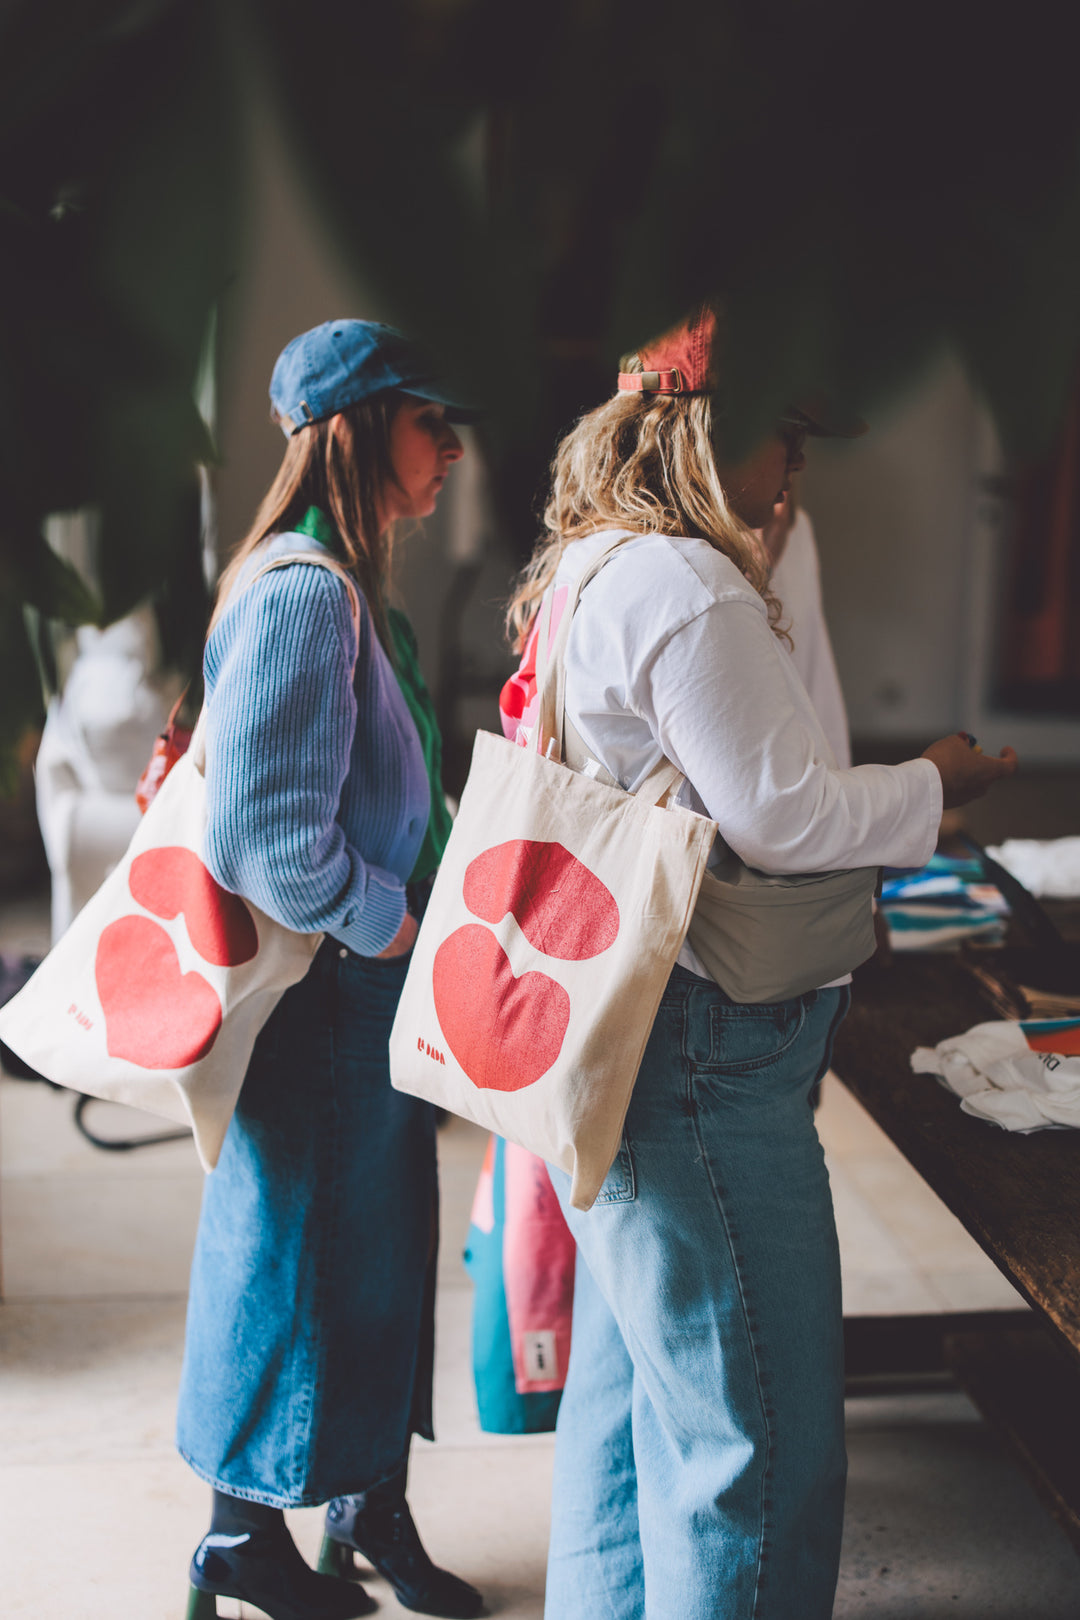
pixel 54 588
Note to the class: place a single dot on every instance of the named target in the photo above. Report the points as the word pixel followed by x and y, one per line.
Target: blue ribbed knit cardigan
pixel 317 792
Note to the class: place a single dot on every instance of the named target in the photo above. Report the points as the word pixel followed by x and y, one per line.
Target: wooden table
pixel 1018 1196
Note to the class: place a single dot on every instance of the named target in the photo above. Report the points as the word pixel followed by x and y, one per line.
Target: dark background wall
pixel 910 540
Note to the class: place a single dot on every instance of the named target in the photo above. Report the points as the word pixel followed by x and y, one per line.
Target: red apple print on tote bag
pixel 155 1015
pixel 507 1031
pixel 559 905
pixel 504 1031
pixel 220 926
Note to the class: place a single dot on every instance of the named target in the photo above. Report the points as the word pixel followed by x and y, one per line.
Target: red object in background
pixel 1039 658
pixel 168 747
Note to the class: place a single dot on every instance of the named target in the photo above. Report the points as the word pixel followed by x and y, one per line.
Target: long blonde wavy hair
pixel 643 462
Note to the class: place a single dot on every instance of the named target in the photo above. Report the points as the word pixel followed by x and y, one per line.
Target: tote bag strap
pixel 664 780
pixel 545 717
pixel 197 746
pixel 551 660
pixel 549 733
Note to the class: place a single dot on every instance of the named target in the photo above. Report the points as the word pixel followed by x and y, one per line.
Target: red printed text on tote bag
pixel 506 1030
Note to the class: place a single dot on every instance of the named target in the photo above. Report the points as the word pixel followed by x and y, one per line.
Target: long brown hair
pixel 642 462
pixel 342 465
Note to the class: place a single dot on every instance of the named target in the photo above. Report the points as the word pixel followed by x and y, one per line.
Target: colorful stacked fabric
pixel 941 906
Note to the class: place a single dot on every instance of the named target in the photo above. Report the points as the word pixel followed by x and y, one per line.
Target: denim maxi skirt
pixel 310 1329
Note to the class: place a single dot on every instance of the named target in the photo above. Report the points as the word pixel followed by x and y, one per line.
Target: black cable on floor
pixel 119 1144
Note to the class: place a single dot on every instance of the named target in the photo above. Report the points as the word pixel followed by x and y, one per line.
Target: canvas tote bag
pixel 155 994
pixel 552 928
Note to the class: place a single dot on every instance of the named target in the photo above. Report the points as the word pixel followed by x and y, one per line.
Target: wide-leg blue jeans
pixel 699 1462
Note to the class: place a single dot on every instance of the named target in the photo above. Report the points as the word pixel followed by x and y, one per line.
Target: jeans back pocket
pixel 619 1186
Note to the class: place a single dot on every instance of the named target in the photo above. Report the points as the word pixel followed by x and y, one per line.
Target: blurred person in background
pixel 795 577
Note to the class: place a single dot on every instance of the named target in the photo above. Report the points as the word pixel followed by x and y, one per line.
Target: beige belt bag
pixel 765 937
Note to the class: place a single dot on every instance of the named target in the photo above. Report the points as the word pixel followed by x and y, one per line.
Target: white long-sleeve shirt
pixel 671 653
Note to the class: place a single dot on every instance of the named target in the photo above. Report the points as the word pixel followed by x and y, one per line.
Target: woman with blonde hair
pixel 308 1359
pixel 699 1466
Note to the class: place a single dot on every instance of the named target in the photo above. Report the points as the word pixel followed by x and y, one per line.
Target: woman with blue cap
pixel 309 1351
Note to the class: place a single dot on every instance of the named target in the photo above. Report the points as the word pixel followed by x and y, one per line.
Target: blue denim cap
pixel 343 362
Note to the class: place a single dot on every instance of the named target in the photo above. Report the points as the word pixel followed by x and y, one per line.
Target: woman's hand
pixel 403 940
pixel 966 772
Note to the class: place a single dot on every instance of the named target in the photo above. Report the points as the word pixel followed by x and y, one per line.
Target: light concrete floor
pixel 98 1516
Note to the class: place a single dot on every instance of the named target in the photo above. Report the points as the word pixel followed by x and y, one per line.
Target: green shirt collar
pixel 318 526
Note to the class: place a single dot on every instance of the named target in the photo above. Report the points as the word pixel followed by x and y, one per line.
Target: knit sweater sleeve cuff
pixel 368 929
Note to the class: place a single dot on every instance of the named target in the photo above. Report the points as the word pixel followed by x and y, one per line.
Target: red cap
pixel 680 362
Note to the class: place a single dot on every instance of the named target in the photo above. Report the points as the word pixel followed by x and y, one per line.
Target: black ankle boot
pixel 382 1530
pixel 268 1571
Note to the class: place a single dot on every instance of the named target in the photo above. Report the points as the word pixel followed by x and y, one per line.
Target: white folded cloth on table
pixel 1047 867
pixel 1004 1072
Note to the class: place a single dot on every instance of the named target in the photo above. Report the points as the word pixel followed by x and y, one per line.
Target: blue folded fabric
pixel 940 905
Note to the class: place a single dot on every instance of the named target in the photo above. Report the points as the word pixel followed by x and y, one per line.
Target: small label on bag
pixel 541 1362
pixel 430 1051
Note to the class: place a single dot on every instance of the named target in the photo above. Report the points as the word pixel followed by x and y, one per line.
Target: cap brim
pixel 456 409
pixel 822 419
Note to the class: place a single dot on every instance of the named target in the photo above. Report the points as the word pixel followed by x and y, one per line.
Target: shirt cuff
pixel 933 795
pixel 371 929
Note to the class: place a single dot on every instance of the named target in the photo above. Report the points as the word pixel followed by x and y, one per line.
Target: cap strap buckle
pixel 292 426
pixel 652 382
